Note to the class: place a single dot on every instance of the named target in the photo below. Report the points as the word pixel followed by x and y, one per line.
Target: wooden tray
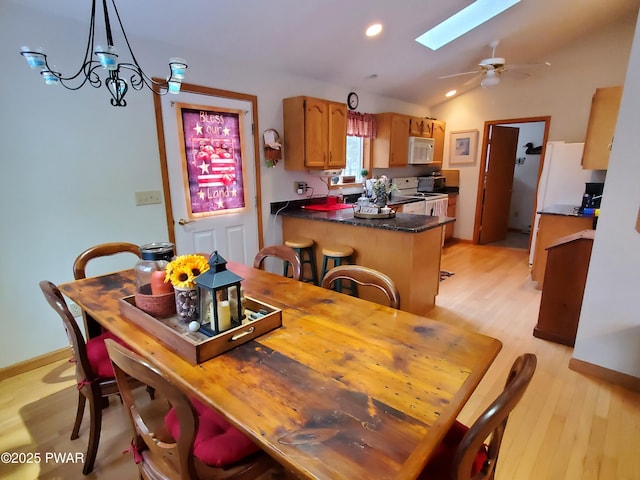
pixel 359 214
pixel 196 347
pixel 374 215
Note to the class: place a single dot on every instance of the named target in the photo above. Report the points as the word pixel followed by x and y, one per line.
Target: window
pixel 354 157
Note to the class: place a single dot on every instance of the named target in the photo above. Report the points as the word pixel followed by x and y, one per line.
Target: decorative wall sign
pixel 211 146
pixel 463 147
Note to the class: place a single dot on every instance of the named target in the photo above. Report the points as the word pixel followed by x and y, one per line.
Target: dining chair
pixel 95 379
pixel 193 441
pixel 463 453
pixel 284 253
pixel 367 277
pixel 92 328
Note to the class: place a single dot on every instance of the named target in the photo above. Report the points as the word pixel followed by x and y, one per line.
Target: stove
pixel 408 187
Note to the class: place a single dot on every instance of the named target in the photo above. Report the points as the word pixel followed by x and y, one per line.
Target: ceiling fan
pixel 490 69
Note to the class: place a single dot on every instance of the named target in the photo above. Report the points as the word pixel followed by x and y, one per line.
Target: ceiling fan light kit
pixel 491 79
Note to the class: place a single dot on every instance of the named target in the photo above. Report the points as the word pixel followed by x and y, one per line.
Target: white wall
pixel 71 164
pixel 562 91
pixel 609 329
pixel 525 176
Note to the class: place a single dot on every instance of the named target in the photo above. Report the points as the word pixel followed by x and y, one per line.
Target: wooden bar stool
pixel 339 255
pixel 304 249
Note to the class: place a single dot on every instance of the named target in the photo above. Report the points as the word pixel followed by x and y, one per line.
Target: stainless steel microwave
pixel 420 151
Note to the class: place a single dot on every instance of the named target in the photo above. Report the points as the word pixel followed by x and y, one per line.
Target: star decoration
pixel 201 195
pixel 234 192
pixel 204 167
pixel 220 203
pixel 198 129
pixel 226 131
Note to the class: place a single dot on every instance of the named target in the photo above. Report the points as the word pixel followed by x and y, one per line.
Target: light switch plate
pixel 148 198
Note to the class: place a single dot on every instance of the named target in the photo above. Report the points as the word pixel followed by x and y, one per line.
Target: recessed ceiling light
pixel 450 93
pixel 374 29
pixel 465 20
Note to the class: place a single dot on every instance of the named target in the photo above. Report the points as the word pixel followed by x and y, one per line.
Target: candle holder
pixel 217 288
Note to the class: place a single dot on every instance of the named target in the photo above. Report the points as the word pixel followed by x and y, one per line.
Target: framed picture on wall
pixel 463 147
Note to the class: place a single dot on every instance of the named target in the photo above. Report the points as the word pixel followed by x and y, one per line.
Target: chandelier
pixel 116 79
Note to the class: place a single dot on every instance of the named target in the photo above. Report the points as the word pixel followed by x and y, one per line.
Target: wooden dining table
pixel 344 389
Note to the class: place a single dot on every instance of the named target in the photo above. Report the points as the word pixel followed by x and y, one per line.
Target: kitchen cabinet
pixel 315 133
pixel 451 212
pixel 391 145
pixel 601 127
pixel 419 127
pixel 550 229
pixel 437 133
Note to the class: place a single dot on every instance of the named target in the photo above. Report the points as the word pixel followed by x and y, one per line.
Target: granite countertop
pixel 563 210
pixel 402 222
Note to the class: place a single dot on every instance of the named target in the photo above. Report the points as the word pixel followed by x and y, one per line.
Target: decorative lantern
pixel 217 288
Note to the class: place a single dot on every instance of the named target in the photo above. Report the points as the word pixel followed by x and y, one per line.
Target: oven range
pixel 435 204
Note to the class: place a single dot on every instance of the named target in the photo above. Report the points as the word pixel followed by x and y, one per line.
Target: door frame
pixel 483 165
pixel 212 92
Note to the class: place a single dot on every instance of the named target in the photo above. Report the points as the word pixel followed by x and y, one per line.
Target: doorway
pixel 238 232
pixel 508 178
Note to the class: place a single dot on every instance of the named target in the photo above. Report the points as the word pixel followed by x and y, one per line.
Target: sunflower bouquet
pixel 184 269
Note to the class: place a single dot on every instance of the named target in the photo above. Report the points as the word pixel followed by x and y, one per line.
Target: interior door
pixel 498 183
pixel 233 233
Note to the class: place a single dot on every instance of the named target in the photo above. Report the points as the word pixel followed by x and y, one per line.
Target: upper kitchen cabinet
pixel 315 133
pixel 419 127
pixel 437 133
pixel 601 127
pixel 391 145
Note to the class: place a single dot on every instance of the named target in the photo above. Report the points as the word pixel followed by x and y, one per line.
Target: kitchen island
pixel 407 248
pixel 556 221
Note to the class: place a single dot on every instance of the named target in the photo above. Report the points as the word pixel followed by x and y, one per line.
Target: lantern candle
pixel 224 315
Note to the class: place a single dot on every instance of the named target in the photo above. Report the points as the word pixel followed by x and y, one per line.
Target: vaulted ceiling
pixel 324 39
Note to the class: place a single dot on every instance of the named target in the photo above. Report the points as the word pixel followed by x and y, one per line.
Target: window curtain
pixel 361 124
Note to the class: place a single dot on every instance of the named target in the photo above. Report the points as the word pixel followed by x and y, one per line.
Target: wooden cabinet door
pixel 399 141
pixel 601 127
pixel 419 127
pixel 316 132
pixel 337 135
pixel 437 133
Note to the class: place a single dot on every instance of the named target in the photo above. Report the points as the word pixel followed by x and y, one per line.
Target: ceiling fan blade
pixel 458 74
pixel 516 74
pixel 520 66
pixel 473 80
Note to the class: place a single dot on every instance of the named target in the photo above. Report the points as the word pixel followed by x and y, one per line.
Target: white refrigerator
pixel 562 181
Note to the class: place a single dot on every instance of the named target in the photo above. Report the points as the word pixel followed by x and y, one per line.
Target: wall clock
pixel 352 100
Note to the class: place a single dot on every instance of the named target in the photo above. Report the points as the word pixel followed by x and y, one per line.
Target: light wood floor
pixel 567 426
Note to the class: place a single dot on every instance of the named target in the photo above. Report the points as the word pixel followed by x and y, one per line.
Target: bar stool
pixel 304 249
pixel 338 254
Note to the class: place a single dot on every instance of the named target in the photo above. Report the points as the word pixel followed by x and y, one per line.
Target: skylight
pixel 465 20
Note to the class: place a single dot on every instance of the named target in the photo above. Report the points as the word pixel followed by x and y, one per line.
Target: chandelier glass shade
pixel 119 76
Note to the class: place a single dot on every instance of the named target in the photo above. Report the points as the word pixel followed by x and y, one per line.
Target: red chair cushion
pixel 441 462
pixel 218 443
pixel 99 357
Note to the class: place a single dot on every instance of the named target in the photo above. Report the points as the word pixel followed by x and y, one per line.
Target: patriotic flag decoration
pixel 213 160
pixel 216 163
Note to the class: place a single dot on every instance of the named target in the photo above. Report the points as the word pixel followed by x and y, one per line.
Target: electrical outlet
pixel 75 309
pixel 148 198
pixel 300 187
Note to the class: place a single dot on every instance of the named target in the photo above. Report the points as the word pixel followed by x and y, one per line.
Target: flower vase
pixel 381 200
pixel 187 304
